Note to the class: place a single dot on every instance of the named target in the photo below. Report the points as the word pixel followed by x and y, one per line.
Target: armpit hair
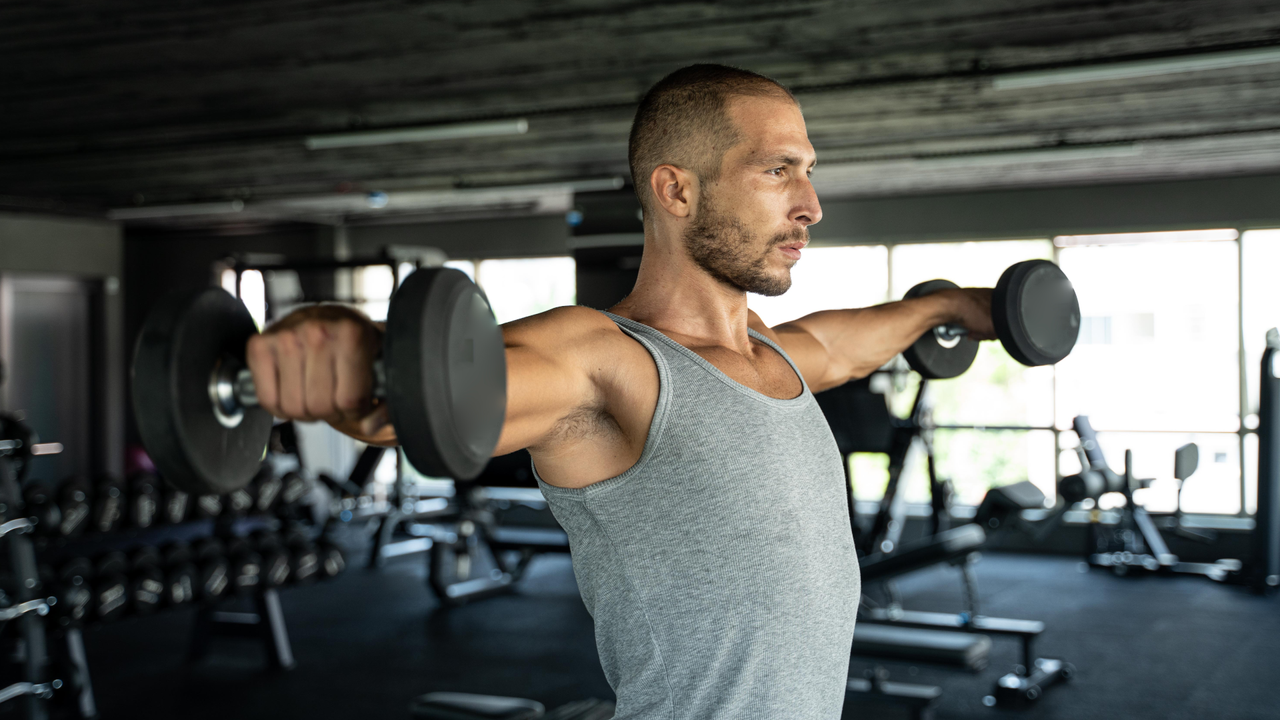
pixel 583 423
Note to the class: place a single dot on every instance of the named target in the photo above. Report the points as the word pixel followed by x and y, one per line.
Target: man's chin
pixel 772 286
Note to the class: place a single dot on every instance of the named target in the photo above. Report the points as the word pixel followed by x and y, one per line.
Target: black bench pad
pixel 936 647
pixel 464 706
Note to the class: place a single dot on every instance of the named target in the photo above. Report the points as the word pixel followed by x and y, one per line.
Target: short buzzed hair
pixel 683 120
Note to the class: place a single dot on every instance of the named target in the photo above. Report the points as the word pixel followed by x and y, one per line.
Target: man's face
pixel 750 225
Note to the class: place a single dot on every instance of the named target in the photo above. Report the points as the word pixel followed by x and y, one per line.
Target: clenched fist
pixel 316 364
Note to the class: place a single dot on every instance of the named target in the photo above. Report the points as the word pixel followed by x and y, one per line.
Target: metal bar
pixel 39 606
pixel 993 427
pixel 319 265
pixel 276 633
pixel 1242 367
pixel 81 684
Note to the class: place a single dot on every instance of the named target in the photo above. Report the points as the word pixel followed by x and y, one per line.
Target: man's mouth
pixel 792 249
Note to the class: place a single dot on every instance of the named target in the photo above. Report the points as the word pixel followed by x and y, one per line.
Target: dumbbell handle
pixel 231 387
pixel 950 332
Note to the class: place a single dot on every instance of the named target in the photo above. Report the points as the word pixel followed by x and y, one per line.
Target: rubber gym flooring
pixel 369 641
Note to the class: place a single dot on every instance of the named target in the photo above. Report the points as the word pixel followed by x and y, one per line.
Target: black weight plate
pixel 927 355
pixel 446 373
pixel 1036 312
pixel 177 350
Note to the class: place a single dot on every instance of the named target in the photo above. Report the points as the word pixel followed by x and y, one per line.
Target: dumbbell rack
pixel 27 608
pixel 265 624
pixel 213 617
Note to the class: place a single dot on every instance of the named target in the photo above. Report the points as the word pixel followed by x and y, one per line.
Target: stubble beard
pixel 730 252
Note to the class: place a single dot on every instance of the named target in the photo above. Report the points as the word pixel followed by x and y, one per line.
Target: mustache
pixel 790 236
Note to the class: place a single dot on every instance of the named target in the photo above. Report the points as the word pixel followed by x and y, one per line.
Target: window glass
pixel 1158 347
pixel 977 460
pixel 1261 303
pixel 1213 488
pixel 466 266
pixel 829 278
pixel 526 286
pixel 372 286
pixel 997 390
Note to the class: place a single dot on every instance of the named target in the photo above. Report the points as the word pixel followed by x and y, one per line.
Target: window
pixel 1161 365
pixel 372 286
pixel 1260 294
pixel 526 286
pixel 1168 313
pixel 1213 488
pixel 829 278
pixel 997 390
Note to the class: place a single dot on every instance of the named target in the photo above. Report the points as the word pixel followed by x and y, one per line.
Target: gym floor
pixel 369 641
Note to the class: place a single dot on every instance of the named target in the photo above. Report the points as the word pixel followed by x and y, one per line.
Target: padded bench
pixel 465 706
pixel 965 651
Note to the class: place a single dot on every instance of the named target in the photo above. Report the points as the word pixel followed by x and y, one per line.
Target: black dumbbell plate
pixel 446 373
pixel 929 355
pixel 1036 312
pixel 177 351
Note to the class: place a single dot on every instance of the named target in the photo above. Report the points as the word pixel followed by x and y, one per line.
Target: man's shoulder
pixel 572 326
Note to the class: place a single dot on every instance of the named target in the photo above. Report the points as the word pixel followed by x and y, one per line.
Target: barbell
pixel 442 375
pixel 1035 311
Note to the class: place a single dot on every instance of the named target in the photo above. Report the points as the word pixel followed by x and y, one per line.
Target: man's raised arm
pixel 315 364
pixel 832 347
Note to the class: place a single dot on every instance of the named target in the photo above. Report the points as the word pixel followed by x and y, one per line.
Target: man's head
pixel 721 157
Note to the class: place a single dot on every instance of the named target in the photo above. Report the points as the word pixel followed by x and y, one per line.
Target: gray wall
pixel 90 251
pixel 1044 212
pixel 503 237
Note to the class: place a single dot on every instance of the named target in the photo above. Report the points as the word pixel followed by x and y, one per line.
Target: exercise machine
pixel 1134 543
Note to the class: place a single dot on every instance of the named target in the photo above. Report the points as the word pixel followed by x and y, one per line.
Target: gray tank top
pixel 720 569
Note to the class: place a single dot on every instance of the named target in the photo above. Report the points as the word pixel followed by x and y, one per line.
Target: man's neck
pixel 677 296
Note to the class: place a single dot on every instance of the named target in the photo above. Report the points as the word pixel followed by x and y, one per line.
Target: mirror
pixel 1185 461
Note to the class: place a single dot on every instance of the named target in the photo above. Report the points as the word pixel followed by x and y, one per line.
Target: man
pixel 676 438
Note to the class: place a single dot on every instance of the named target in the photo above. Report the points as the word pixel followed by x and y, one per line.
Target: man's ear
pixel 674 190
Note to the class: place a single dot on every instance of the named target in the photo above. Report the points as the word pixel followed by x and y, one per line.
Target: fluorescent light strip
pixel 1215 235
pixel 1137 69
pixel 457 131
pixel 358 202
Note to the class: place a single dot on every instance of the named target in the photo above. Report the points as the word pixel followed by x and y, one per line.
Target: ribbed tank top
pixel 720 569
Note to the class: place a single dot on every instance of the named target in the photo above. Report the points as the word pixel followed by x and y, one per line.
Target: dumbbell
pixel 245 566
pixel 73 500
pixel 212 568
pixel 209 505
pixel 294 487
pixel 442 374
pixel 175 505
pixel 238 502
pixel 144 499
pixel 108 505
pixel 332 561
pixel 266 490
pixel 304 561
pixel 1035 312
pixel 147 588
pixel 72 587
pixel 275 559
pixel 38 503
pixel 181 577
pixel 110 587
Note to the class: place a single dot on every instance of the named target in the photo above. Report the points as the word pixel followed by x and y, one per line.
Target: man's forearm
pixel 859 341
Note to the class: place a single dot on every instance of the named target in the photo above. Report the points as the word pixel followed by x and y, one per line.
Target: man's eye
pixel 776 171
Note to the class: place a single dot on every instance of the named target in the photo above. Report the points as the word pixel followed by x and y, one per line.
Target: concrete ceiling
pixel 146 105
